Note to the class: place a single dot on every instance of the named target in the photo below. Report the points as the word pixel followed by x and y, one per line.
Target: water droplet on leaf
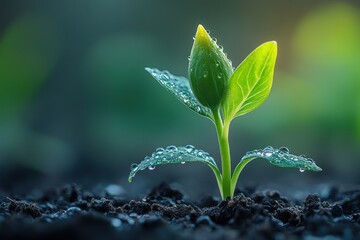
pixel 284 149
pixel 133 166
pixel 310 160
pixel 301 170
pixel 151 168
pixel 159 150
pixel 171 148
pixel 189 148
pixel 268 154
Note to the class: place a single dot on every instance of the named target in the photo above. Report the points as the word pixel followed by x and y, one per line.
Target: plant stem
pixel 237 172
pixel 222 130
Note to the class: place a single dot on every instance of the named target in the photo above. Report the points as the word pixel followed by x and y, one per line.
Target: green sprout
pixel 218 92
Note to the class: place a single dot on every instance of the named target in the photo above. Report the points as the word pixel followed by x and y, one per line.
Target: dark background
pixel 77 105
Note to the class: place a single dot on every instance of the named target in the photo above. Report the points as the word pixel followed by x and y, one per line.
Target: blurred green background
pixel 77 105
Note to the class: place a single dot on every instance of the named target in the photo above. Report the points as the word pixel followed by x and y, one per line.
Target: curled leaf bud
pixel 209 70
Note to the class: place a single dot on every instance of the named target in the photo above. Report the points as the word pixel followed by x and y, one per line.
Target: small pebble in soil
pixel 114 190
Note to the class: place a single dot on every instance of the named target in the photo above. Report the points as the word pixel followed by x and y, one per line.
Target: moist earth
pixel 71 212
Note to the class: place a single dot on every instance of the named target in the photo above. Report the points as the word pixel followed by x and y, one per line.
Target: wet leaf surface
pixel 283 158
pixel 172 154
pixel 180 88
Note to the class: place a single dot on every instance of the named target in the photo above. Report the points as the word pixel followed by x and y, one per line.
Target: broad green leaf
pixel 180 87
pixel 173 154
pixel 278 157
pixel 251 82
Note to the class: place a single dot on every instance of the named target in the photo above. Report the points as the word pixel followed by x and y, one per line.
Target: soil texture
pixel 70 212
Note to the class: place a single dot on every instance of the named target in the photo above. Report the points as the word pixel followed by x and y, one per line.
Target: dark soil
pixel 71 212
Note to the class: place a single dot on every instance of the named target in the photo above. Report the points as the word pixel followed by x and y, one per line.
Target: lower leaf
pixel 279 157
pixel 173 154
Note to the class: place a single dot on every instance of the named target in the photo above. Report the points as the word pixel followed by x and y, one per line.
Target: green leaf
pixel 251 82
pixel 173 154
pixel 180 87
pixel 209 70
pixel 278 157
pixel 282 158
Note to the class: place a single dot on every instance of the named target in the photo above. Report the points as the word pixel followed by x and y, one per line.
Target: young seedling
pixel 218 92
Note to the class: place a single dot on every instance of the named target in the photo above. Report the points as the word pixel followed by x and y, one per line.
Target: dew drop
pixel 301 170
pixel 310 160
pixel 284 149
pixel 205 74
pixel 133 166
pixel 219 75
pixel 268 154
pixel 182 162
pixel 159 150
pixel 164 76
pixel 151 168
pixel 189 148
pixel 171 148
